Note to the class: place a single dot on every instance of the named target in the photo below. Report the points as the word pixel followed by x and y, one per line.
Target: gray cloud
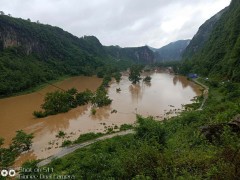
pixel 125 22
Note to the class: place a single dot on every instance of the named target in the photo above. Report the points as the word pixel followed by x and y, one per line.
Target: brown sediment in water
pixel 165 92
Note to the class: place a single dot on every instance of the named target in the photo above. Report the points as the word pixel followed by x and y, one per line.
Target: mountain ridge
pixel 202 34
pixel 32 53
pixel 219 56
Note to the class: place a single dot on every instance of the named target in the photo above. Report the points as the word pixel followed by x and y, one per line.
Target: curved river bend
pixel 165 92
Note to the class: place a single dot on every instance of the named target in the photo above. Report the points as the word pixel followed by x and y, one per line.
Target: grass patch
pixel 125 127
pixel 87 137
pixel 66 143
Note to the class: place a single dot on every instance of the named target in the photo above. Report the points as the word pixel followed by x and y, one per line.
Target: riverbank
pixel 204 94
pixel 38 87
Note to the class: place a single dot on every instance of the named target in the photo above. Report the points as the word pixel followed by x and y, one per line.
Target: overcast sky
pixel 120 22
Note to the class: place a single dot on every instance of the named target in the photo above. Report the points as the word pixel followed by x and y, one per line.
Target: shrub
pixel 125 127
pixel 150 130
pixel 88 136
pixel 39 114
pixel 66 143
pixel 93 111
pixel 61 134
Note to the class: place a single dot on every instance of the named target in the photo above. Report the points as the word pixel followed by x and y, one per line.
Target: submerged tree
pixel 58 102
pixel 135 74
pixel 117 76
pixel 101 98
pixel 84 97
pixel 147 79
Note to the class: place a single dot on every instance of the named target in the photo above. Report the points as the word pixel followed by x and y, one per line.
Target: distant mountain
pixel 215 49
pixel 138 55
pixel 32 53
pixel 172 51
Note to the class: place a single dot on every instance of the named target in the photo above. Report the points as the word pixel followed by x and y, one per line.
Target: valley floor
pixel 193 145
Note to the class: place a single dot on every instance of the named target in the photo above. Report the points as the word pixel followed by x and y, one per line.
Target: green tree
pixel 117 76
pixel 58 102
pixel 72 91
pixel 22 141
pixel 84 97
pixel 101 98
pixel 106 80
pixel 135 74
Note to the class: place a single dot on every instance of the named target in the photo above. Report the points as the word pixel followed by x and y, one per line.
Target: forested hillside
pixel 32 53
pixel 219 56
pixel 203 34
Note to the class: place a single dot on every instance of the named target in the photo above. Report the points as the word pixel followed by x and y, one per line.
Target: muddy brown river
pixel 165 92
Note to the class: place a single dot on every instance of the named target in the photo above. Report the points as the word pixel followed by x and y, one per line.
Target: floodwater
pixel 165 92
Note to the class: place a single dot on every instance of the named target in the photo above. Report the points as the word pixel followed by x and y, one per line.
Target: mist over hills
pixel 171 52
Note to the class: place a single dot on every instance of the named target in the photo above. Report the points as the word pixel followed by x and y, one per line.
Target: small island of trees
pixel 62 101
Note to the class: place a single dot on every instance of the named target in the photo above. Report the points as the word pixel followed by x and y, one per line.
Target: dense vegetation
pixel 42 53
pixel 177 148
pixel 219 56
pixel 63 101
pixel 20 143
pixel 33 53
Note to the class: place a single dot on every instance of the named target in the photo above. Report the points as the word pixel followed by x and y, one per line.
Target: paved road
pixel 205 93
pixel 70 149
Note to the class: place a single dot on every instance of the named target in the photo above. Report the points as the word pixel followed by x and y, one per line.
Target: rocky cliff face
pixel 215 49
pixel 144 54
pixel 33 53
pixel 11 36
pixel 47 41
pixel 138 54
pixel 44 40
pixel 202 36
